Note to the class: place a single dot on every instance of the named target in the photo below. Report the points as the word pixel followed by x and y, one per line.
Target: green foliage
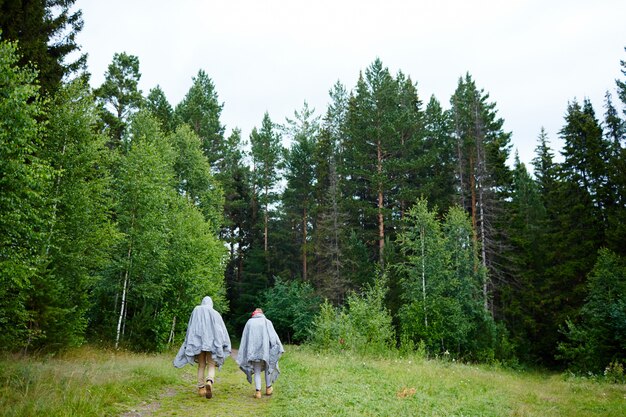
pixel 442 302
pixel 157 104
pixel 46 32
pixel 291 305
pixel 194 178
pixel 25 211
pixel 614 373
pixel 170 255
pixel 119 95
pixel 528 236
pixel 298 198
pixel 201 110
pixel 81 232
pixel 597 337
pixel 363 325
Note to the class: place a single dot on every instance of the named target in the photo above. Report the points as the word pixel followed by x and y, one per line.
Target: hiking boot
pixel 257 394
pixel 269 390
pixel 208 387
pixel 201 391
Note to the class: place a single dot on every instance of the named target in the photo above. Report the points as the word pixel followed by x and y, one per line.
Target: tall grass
pixel 92 382
pixel 316 384
pixel 83 382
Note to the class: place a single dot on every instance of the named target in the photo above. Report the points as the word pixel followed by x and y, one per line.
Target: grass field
pixel 92 382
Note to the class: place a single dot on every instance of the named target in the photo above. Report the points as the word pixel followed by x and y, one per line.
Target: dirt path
pixel 232 396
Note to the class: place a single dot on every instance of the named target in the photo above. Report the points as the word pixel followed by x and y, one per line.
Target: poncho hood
pixel 205 332
pixel 259 342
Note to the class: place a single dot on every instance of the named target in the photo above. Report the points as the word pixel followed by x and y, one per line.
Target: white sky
pixel 532 57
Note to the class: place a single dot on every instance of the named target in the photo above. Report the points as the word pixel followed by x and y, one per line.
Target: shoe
pixel 269 390
pixel 208 387
pixel 257 394
pixel 202 391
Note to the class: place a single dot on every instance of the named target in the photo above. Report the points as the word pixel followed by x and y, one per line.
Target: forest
pixel 389 221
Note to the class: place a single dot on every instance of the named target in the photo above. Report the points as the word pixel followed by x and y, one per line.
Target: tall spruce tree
pixel 615 132
pixel 483 178
pixel 329 233
pixel 437 160
pixel 575 225
pixel 157 104
pixel 528 235
pixel 46 34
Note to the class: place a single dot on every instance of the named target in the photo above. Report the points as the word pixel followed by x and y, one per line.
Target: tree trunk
pixel 422 233
pixel 170 339
pixel 381 223
pixel 265 220
pixel 123 303
pixel 304 254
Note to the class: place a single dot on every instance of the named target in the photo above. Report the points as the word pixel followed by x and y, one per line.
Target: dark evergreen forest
pixel 396 213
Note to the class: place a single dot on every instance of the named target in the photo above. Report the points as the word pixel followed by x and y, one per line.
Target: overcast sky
pixel 532 57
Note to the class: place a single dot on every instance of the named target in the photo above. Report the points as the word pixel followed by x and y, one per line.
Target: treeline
pixel 387 222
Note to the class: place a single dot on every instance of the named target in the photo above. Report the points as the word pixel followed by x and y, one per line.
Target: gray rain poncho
pixel 259 342
pixel 205 332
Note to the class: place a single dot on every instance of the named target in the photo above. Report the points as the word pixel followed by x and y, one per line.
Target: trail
pixel 232 396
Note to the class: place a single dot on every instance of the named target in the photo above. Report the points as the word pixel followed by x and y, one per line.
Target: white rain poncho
pixel 259 342
pixel 205 332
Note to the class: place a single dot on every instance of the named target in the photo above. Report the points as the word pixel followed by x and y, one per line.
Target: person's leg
pixel 201 367
pixel 211 364
pixel 268 383
pixel 257 379
pixel 210 375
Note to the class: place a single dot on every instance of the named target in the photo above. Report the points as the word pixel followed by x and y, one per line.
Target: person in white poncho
pixel 207 343
pixel 259 351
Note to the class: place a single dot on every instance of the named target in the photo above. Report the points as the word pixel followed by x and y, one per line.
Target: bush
pixel 291 305
pixel 363 325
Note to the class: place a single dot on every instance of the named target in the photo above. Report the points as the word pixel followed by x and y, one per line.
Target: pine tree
pixel 119 95
pixel 298 197
pixel 266 159
pixel 201 110
pixel 371 152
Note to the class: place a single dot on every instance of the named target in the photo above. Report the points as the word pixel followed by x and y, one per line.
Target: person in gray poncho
pixel 260 350
pixel 206 342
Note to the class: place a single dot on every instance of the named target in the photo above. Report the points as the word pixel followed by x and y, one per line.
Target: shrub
pixel 363 325
pixel 291 305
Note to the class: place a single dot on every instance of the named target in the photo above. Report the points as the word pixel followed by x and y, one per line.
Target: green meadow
pixel 95 382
